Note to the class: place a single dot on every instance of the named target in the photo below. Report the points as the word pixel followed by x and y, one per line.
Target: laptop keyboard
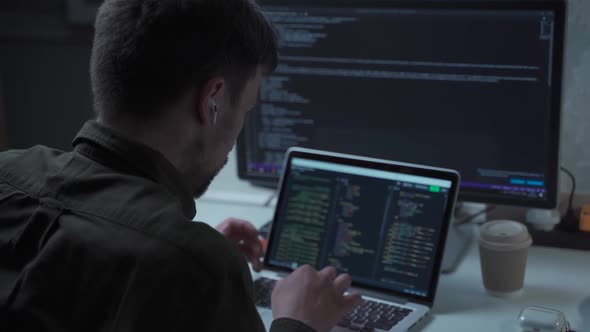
pixel 368 316
pixel 263 289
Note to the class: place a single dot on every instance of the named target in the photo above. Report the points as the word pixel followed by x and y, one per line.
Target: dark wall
pixel 44 71
pixel 45 49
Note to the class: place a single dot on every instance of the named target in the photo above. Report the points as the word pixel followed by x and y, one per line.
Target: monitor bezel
pixel 558 7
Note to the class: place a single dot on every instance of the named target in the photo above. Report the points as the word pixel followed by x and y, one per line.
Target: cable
pixel 571 198
pixel 269 200
pixel 569 222
pixel 475 215
pixel 490 208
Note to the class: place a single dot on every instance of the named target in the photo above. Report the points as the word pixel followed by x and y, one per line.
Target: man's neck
pixel 153 136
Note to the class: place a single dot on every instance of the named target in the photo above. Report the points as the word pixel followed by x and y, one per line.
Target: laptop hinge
pixel 383 296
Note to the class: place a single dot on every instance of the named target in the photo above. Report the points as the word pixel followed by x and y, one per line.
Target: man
pixel 102 238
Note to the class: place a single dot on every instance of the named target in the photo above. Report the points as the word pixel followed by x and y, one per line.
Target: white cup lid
pixel 504 235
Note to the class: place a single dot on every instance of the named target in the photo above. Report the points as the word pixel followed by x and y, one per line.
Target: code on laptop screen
pixel 380 227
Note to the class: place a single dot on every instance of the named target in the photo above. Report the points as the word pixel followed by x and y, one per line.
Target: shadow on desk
pixel 585 314
pixel 459 295
pixel 542 294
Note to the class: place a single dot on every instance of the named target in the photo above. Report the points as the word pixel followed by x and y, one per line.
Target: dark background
pixel 44 59
pixel 45 90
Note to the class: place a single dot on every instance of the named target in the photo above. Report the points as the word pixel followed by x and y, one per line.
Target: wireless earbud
pixel 213 108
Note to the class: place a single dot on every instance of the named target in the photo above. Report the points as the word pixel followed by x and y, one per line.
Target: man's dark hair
pixel 147 53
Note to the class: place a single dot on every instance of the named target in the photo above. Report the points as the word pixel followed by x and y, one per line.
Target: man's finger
pixel 351 300
pixel 342 283
pixel 237 229
pixel 328 273
pixel 251 247
pixel 256 264
pixel 252 255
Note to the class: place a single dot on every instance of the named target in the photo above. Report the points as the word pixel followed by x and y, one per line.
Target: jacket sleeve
pixel 289 325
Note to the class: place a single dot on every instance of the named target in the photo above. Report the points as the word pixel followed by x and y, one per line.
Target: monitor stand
pixel 459 236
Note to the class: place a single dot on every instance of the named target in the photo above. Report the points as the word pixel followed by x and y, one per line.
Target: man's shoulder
pixel 27 169
pixel 33 154
pixel 35 157
pixel 167 236
pixel 129 214
pixel 192 241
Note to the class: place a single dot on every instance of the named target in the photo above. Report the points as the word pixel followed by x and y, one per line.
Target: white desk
pixel 555 278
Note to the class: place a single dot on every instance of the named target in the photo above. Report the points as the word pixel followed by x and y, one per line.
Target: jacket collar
pixel 111 148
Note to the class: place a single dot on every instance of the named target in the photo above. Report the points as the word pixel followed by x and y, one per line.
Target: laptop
pixel 382 222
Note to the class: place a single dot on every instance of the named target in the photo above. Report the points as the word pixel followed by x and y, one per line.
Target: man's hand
pixel 314 298
pixel 245 236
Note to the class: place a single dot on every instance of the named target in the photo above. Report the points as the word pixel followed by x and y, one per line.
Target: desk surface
pixel 555 278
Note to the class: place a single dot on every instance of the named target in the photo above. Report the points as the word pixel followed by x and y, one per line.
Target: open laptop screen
pixel 381 226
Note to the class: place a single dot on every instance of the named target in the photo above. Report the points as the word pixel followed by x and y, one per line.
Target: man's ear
pixel 207 103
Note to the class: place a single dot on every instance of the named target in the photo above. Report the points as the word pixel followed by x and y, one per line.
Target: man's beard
pixel 199 188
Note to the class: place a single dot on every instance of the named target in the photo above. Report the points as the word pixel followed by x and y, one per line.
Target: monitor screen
pixel 472 86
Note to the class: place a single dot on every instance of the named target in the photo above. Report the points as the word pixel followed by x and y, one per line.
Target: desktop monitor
pixel 469 85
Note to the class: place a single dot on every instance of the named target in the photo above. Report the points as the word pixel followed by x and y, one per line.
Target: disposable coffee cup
pixel 503 249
